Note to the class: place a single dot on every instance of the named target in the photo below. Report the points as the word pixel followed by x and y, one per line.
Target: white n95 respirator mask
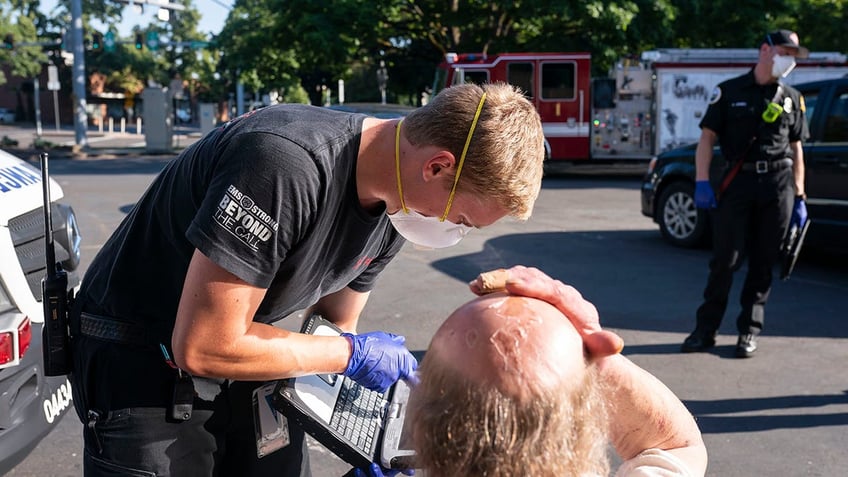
pixel 428 232
pixel 782 66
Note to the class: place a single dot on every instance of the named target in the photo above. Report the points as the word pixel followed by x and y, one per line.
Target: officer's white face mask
pixel 782 65
pixel 431 232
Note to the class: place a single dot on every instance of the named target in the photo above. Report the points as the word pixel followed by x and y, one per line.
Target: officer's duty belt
pixel 764 167
pixel 112 329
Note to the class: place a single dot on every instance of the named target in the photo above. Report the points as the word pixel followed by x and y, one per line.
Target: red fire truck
pixel 645 106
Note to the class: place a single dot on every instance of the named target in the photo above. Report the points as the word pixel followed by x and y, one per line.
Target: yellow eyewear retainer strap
pixel 397 167
pixel 462 157
pixel 458 167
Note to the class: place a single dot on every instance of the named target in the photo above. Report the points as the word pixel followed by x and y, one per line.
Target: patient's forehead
pixel 510 341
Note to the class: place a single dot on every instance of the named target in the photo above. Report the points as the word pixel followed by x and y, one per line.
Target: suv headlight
pixel 652 164
pixel 66 233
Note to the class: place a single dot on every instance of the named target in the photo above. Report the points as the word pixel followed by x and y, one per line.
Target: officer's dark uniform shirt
pixel 735 115
pixel 271 197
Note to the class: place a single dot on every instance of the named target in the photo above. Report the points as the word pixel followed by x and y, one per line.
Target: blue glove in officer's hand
pixel 704 196
pixel 799 213
pixel 379 359
pixel 375 471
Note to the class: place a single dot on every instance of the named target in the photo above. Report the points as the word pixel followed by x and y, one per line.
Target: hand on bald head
pixel 505 391
pixel 532 282
pixel 515 343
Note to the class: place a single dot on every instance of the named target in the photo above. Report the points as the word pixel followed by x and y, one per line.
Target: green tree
pixel 126 69
pixel 730 23
pixel 283 45
pixel 26 59
pixel 297 46
pixel 183 51
pixel 821 24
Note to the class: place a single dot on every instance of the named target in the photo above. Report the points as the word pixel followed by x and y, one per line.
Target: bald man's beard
pixel 464 429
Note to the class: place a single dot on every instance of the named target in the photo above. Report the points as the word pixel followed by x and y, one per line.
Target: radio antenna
pixel 50 251
pixel 54 295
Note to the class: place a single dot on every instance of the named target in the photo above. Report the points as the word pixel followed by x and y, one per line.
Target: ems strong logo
pixel 240 216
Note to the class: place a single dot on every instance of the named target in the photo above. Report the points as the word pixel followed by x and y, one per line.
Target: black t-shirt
pixel 271 197
pixel 735 114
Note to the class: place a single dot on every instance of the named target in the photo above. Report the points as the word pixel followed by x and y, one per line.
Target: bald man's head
pixel 505 390
pixel 521 343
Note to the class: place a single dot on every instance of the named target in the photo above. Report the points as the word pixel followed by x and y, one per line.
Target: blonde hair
pixel 465 429
pixel 504 162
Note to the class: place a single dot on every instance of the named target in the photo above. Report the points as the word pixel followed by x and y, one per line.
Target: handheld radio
pixel 54 295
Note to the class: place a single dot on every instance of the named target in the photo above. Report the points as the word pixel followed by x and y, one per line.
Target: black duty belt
pixel 112 329
pixel 765 167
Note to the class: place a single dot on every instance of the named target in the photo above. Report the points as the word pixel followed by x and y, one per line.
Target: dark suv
pixel 668 186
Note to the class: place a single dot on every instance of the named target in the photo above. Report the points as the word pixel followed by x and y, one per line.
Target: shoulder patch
pixel 715 95
pixel 802 106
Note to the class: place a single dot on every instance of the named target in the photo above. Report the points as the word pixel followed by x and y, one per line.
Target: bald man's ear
pixel 602 343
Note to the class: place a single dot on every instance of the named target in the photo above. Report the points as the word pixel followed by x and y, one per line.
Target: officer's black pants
pixel 751 218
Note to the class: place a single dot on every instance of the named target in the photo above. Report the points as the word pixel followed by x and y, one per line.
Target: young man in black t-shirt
pixel 284 209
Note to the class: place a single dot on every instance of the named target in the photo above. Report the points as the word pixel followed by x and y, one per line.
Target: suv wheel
pixel 681 223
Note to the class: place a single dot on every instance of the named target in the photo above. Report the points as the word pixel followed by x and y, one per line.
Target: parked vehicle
pixel 183 115
pixel 644 107
pixel 31 404
pixel 7 115
pixel 668 186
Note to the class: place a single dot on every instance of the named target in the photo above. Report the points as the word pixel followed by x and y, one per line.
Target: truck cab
pixel 31 404
pixel 556 83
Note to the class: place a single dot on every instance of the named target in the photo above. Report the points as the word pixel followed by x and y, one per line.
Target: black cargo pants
pixel 752 216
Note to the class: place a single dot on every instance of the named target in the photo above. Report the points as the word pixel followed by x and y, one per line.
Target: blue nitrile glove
pixel 704 196
pixel 379 359
pixel 375 471
pixel 799 213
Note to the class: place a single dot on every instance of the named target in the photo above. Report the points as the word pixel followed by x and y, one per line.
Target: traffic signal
pixel 9 41
pixel 153 40
pixel 109 41
pixel 96 41
pixel 139 41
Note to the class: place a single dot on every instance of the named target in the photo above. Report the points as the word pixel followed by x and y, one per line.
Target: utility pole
pixel 78 80
pixel 36 94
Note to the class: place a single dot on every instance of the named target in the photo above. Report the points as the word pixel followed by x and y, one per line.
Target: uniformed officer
pixel 759 123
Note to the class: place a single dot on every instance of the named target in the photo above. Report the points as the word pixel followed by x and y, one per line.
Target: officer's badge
pixel 715 95
pixel 803 105
pixel 787 105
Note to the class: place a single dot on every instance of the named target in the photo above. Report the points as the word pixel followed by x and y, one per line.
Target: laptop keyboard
pixel 358 413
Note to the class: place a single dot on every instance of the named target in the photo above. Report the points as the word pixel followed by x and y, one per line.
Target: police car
pixel 668 187
pixel 31 404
